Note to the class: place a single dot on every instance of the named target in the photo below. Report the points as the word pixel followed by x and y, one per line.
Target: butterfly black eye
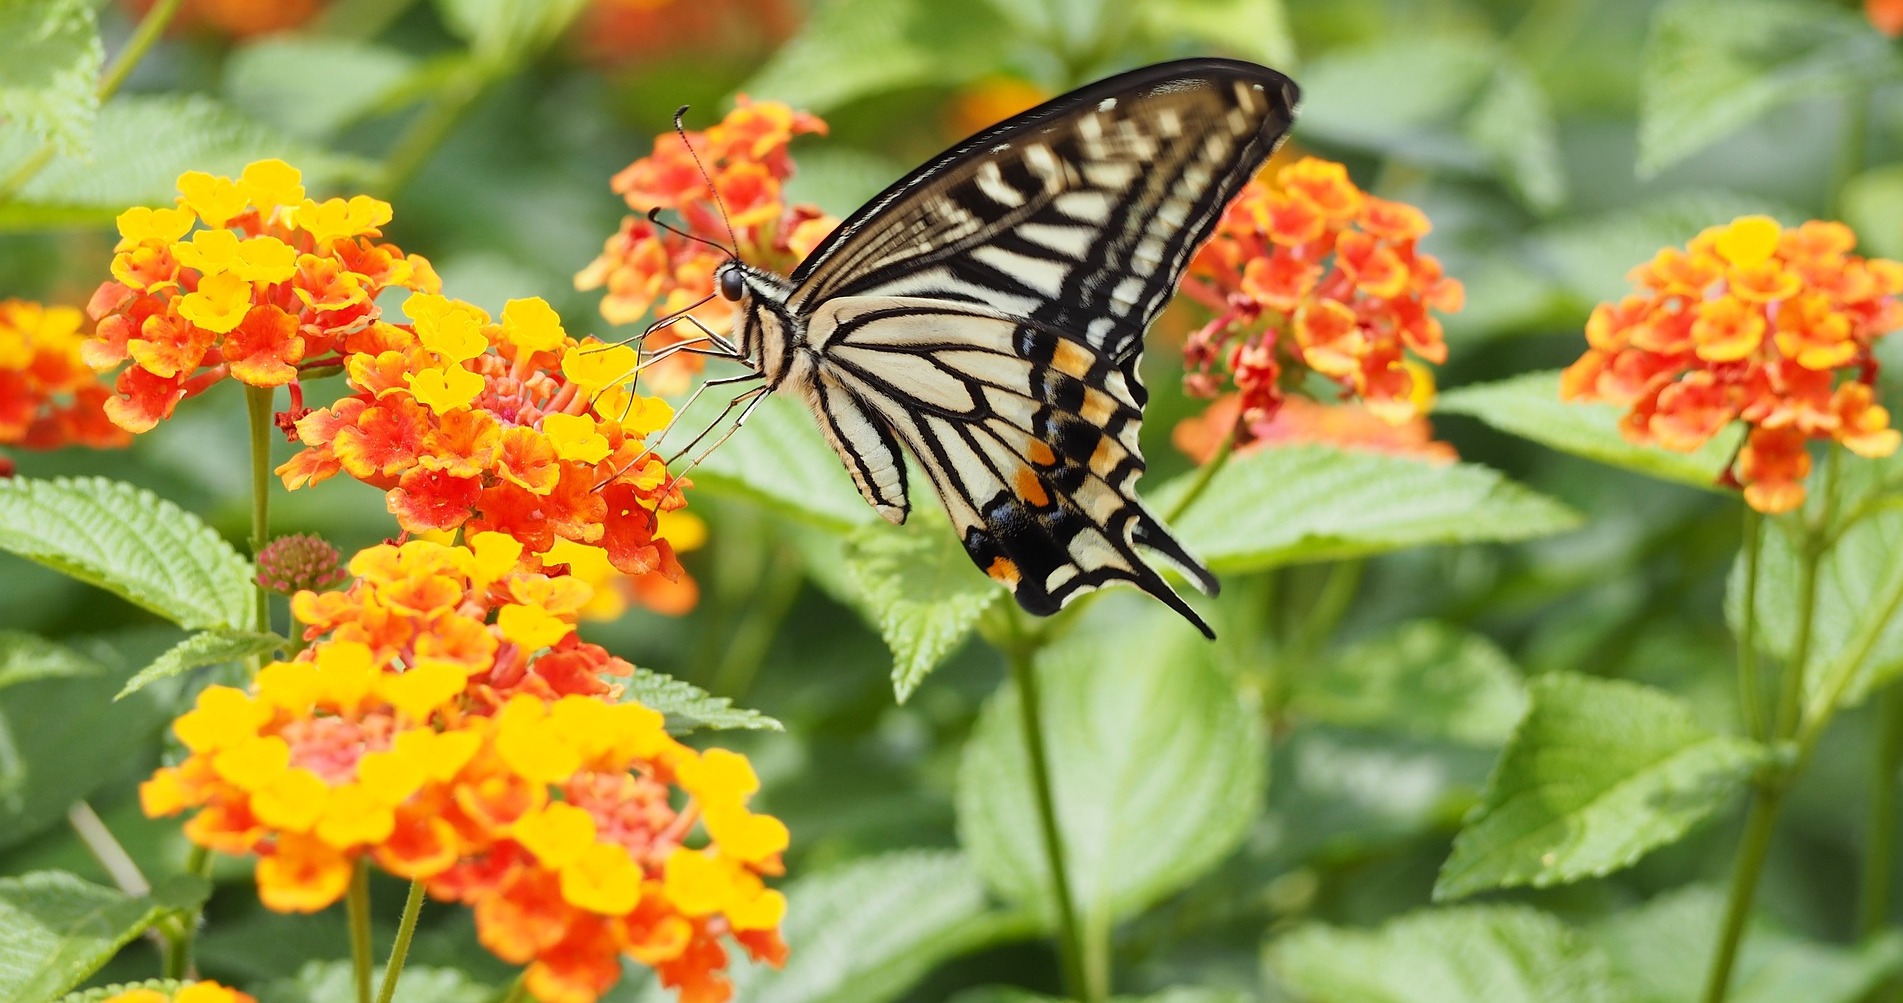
pixel 732 284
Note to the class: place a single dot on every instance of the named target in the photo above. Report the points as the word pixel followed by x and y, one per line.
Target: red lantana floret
pixel 1752 322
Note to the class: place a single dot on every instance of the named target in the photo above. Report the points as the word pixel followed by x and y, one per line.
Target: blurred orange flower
pixel 989 101
pixel 616 32
pixel 646 268
pixel 238 18
pixel 1300 420
pixel 1755 322
pixel 1308 274
pixel 48 396
pixel 272 282
pixel 448 726
pixel 1885 16
pixel 478 424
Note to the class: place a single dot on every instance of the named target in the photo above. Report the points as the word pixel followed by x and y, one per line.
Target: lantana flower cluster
pixel 244 278
pixel 448 726
pixel 49 398
pixel 645 268
pixel 1750 322
pixel 1306 273
pixel 505 425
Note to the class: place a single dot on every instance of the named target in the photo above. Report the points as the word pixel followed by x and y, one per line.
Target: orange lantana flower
pixel 475 423
pixel 1755 322
pixel 270 285
pixel 1307 274
pixel 48 396
pixel 447 725
pixel 645 268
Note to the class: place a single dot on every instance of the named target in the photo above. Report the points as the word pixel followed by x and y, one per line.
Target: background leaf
pixel 131 543
pixel 26 657
pixel 50 60
pixel 1253 29
pixel 1501 954
pixel 1529 406
pixel 60 929
pixel 1714 66
pixel 1143 733
pixel 854 48
pixel 1599 773
pixel 919 588
pixel 312 86
pixel 1873 206
pixel 1310 503
pixel 1427 679
pixel 1663 950
pixel 780 460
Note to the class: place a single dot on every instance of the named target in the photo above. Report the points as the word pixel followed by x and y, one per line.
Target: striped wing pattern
pixel 988 312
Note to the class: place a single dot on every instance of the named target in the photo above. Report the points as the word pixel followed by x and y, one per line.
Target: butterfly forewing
pixel 987 311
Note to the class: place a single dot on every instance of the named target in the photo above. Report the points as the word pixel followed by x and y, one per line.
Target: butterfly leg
pixel 753 398
pixel 652 444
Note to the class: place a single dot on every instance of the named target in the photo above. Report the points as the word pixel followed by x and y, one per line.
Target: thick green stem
pixel 357 907
pixel 1750 699
pixel 1879 841
pixel 1080 982
pixel 258 407
pixel 150 28
pixel 1759 823
pixel 406 929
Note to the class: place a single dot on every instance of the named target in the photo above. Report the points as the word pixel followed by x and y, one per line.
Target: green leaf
pixel 689 707
pixel 1501 954
pixel 1663 949
pixel 781 460
pixel 129 542
pixel 918 587
pixel 870 930
pixel 508 29
pixel 336 982
pixel 1529 406
pixel 64 755
pixel 1311 503
pixel 143 144
pixel 60 929
pixel 1859 593
pixel 50 60
pixel 1714 66
pixel 849 49
pixel 311 86
pixel 1873 206
pixel 1593 255
pixel 1144 734
pixel 1426 679
pixel 1513 122
pixel 26 657
pixel 1599 773
pixel 1399 95
pixel 211 647
pixel 1256 29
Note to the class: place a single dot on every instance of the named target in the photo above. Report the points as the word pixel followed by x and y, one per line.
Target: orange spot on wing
pixel 1030 488
pixel 1040 454
pixel 1003 570
pixel 1098 407
pixel 1072 358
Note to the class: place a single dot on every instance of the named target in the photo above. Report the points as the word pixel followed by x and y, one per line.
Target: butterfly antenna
pixel 733 239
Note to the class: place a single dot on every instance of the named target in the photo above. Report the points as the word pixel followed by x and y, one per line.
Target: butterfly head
pixel 731 279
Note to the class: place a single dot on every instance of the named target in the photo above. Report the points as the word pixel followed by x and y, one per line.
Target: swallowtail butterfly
pixel 986 312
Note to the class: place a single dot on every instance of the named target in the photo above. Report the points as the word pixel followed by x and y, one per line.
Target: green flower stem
pixel 406 929
pixel 1879 841
pixel 258 407
pixel 1759 824
pixel 178 942
pixel 1085 983
pixel 1204 474
pixel 1750 700
pixel 150 28
pixel 357 907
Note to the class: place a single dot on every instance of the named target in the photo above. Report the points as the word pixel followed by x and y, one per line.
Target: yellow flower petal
pixel 603 880
pixel 599 366
pixel 220 304
pixel 533 324
pixel 557 835
pixel 576 437
pixel 532 627
pixel 139 224
pixel 272 183
pixel 216 200
pixel 443 390
pixel 1749 240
